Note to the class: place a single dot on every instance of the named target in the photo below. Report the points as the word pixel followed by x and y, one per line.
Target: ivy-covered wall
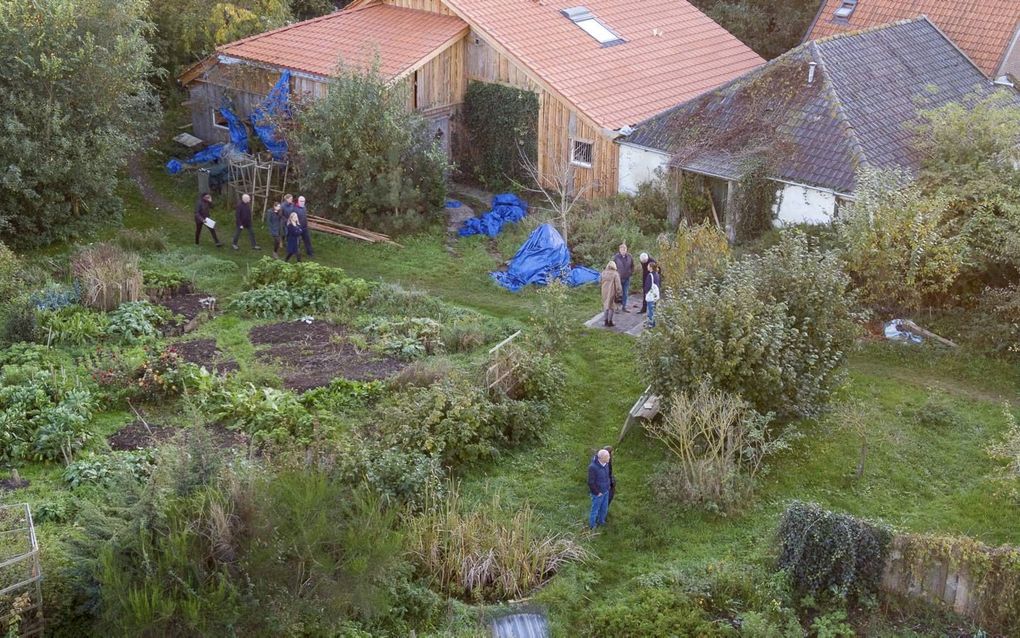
pixel 499 122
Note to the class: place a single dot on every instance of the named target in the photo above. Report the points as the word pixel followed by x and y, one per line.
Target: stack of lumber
pixel 331 227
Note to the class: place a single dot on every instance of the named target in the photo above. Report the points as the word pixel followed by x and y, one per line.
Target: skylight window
pixel 846 9
pixel 591 25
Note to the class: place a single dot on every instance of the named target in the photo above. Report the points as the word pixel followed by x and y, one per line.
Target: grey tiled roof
pixel 860 110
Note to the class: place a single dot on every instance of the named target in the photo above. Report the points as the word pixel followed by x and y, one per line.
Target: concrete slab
pixel 630 323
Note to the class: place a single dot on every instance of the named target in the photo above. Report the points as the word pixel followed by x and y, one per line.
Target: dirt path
pixel 137 172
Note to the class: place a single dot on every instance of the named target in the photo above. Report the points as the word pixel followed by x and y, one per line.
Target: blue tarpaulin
pixel 269 111
pixel 204 156
pixel 541 259
pixel 238 133
pixel 506 208
pixel 581 275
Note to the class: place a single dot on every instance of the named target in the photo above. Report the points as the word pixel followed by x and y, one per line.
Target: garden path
pixel 630 323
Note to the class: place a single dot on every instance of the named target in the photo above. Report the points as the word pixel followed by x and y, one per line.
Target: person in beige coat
pixel 611 288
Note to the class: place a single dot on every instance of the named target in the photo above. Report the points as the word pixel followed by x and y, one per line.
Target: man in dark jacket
pixel 302 214
pixel 202 212
pixel 625 267
pixel 646 281
pixel 599 485
pixel 242 219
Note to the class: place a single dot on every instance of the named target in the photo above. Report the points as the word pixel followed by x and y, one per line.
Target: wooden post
pixel 674 186
pixel 731 213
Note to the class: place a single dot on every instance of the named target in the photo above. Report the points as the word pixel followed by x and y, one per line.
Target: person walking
pixel 625 266
pixel 645 281
pixel 202 213
pixel 598 487
pixel 652 297
pixel 242 219
pixel 610 280
pixel 302 213
pixel 293 235
pixel 276 223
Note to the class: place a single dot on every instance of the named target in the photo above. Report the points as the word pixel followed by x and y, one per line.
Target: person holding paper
pixel 202 219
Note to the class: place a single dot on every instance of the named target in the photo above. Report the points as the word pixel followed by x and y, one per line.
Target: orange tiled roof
pixel 672 52
pixel 399 37
pixel 983 29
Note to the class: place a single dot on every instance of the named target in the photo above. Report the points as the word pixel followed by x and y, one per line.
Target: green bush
pixel 362 152
pixel 501 124
pixel 20 322
pixel 268 415
pixel 162 283
pixel 596 231
pixel 44 415
pixel 651 207
pixel 410 338
pixel 653 613
pixel 10 269
pixel 828 553
pixel 342 395
pixel 774 329
pixel 136 322
pixel 936 412
pixel 278 289
pixel 100 469
pixel 72 326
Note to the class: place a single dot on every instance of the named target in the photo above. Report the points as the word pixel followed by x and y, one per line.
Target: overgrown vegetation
pixel 363 156
pixel 501 124
pixel 62 142
pixel 774 329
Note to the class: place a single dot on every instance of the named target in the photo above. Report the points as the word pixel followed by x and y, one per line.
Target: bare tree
pixel 555 186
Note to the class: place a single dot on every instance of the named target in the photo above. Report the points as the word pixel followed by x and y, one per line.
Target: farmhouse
pixel 987 30
pixel 814 117
pixel 595 68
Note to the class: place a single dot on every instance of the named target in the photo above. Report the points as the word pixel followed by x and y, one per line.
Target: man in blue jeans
pixel 599 485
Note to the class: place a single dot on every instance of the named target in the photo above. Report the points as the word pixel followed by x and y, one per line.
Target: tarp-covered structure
pixel 542 259
pixel 271 110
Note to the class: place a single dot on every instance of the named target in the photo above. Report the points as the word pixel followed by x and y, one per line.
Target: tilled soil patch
pixel 137 436
pixel 9 484
pixel 203 352
pixel 190 307
pixel 313 354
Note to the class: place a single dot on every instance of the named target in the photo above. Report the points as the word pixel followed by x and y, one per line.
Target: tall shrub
pixel 77 103
pixel 502 123
pixel 691 253
pixel 897 242
pixel 774 329
pixel 361 153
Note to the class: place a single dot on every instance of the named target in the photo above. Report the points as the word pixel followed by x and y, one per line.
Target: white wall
pixel 637 166
pixel 804 205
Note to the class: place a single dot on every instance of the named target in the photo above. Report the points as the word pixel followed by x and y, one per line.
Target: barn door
pixel 439 127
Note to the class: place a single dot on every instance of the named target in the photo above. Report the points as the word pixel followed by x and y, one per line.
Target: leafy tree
pixel 361 153
pixel 897 243
pixel 774 329
pixel 75 103
pixel 969 155
pixel 306 9
pixel 770 28
pixel 187 30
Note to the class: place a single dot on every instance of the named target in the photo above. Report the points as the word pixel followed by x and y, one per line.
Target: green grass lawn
pixel 917 477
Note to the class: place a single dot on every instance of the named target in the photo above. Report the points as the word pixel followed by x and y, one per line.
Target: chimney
pixel 811 72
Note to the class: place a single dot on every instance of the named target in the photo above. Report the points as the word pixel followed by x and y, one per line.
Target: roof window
pixel 846 9
pixel 591 25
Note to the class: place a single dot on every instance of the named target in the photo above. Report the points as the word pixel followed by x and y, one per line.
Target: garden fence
pixel 20 571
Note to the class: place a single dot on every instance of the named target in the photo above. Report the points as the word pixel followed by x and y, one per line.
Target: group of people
pixel 286 221
pixel 615 281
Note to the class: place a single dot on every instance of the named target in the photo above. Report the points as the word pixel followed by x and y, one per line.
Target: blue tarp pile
pixel 544 257
pixel 204 156
pixel 270 110
pixel 238 133
pixel 506 208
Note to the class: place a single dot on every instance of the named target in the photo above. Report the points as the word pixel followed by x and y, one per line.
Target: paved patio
pixel 630 323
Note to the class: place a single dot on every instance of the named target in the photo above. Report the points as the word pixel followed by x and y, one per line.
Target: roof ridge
pixel 881 27
pixel 953 44
pixel 855 142
pixel 302 23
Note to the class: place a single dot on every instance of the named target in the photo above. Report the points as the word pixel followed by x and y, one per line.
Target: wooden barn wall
pixel 434 6
pixel 441 82
pixel 242 86
pixel 486 64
